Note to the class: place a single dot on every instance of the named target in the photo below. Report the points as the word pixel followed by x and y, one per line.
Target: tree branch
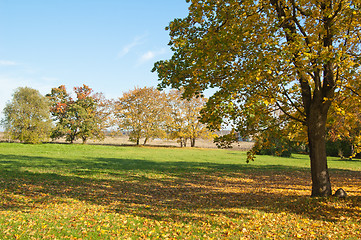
pixel 289 115
pixel 353 91
pixel 337 11
pixel 292 103
pixel 302 11
pixel 290 31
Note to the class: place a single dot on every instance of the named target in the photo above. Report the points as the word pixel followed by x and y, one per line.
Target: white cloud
pixel 150 55
pixel 7 63
pixel 147 56
pixel 136 42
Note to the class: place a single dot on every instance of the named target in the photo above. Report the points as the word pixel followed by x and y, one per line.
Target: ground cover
pixel 60 191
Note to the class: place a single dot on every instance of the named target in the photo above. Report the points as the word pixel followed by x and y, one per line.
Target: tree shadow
pixel 171 190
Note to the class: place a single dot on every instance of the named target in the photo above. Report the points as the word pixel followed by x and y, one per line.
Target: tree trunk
pixel 193 142
pixel 137 141
pixel 145 141
pixel 321 185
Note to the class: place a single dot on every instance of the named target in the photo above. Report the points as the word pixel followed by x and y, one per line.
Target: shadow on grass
pixel 170 190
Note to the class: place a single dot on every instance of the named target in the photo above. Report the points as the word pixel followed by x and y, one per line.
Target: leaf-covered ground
pixel 101 192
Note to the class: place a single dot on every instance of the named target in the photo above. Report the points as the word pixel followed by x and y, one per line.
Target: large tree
pixel 26 116
pixel 83 117
pixel 272 62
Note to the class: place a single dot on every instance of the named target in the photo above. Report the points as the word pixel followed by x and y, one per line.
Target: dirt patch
pixel 124 141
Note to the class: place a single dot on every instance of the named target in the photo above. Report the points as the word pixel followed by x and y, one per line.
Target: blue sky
pixel 109 45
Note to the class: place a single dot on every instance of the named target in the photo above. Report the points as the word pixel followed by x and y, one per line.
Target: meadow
pixel 63 191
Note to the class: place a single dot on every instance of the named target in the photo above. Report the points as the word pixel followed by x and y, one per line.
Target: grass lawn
pixel 60 191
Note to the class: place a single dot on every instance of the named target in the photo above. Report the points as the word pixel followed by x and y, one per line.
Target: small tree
pixel 27 117
pixel 142 112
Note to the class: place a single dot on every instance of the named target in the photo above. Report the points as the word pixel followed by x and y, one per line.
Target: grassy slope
pixel 110 192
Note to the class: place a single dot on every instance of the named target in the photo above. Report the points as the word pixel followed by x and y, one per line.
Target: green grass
pixel 59 191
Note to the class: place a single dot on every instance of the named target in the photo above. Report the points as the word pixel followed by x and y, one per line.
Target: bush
pixel 273 142
pixel 339 148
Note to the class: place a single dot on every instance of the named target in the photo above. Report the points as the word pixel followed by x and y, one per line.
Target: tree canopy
pixel 273 63
pixel 142 113
pixel 26 116
pixel 149 113
pixel 184 118
pixel 82 118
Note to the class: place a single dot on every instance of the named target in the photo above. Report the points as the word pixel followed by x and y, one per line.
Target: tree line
pixel 142 113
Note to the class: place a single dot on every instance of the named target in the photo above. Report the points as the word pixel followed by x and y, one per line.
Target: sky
pixel 109 45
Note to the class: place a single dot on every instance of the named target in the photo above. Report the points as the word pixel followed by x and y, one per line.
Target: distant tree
pixel 60 110
pixel 184 119
pixel 104 112
pixel 80 118
pixel 27 117
pixel 142 112
pixel 176 125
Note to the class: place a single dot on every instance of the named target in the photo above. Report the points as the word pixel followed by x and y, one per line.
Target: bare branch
pixel 353 91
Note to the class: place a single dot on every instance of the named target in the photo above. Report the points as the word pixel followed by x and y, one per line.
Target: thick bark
pixel 321 185
pixel 316 102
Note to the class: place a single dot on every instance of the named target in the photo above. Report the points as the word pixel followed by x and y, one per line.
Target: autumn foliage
pixel 345 122
pixel 147 113
pixel 102 192
pixel 84 117
pixel 272 63
pixel 185 123
pixel 141 113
